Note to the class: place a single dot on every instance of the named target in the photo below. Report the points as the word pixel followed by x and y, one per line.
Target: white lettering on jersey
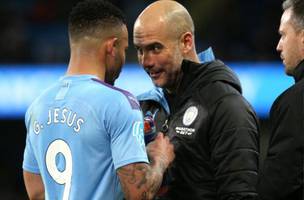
pixel 65 116
pixel 37 127
pixel 138 132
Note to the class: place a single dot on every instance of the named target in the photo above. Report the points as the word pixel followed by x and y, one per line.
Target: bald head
pixel 166 14
pixel 164 37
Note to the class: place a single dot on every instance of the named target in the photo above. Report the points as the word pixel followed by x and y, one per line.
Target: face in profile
pixel 290 44
pixel 158 53
pixel 114 67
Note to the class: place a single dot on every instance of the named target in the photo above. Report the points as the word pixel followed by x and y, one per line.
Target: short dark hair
pixel 88 17
pixel 297 7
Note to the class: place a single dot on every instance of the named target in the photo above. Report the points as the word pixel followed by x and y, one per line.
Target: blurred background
pixel 34 52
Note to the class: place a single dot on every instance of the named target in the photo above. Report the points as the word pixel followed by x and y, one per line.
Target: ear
pixel 187 42
pixel 111 45
pixel 301 41
pixel 302 37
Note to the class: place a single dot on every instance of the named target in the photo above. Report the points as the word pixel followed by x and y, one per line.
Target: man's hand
pixel 142 180
pixel 161 151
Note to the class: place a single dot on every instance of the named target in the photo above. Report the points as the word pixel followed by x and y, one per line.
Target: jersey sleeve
pixel 29 161
pixel 125 127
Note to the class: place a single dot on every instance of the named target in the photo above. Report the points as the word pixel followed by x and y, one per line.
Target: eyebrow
pixel 150 45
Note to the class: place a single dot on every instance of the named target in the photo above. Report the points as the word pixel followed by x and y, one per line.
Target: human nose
pixel 146 60
pixel 279 46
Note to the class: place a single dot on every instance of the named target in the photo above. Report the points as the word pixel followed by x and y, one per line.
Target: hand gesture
pixel 161 150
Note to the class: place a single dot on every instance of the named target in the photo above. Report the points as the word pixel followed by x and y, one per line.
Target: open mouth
pixel 155 75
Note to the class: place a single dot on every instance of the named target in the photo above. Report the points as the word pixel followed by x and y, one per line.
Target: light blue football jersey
pixel 79 132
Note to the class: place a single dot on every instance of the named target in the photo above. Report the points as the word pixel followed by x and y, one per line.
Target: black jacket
pixel 215 134
pixel 282 173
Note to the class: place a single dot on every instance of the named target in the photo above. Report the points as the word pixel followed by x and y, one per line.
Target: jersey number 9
pixel 61 177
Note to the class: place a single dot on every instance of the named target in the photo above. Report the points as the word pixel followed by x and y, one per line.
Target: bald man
pixel 200 106
pixel 84 136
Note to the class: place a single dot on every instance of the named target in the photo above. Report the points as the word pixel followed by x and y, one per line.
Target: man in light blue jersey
pixel 85 136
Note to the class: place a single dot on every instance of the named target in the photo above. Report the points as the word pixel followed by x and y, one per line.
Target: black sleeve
pixel 282 172
pixel 234 144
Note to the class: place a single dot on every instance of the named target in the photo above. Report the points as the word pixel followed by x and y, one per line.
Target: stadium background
pixel 34 33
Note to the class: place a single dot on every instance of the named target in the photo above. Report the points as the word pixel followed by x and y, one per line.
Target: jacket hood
pixel 196 74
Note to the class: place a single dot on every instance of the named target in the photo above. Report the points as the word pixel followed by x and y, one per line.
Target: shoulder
pixel 114 94
pixel 291 98
pixel 40 100
pixel 291 94
pixel 216 91
pixel 224 100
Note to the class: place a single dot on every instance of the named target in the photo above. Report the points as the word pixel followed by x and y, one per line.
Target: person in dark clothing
pixel 282 173
pixel 198 104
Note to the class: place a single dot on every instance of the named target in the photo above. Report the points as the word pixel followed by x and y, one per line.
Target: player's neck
pixel 85 64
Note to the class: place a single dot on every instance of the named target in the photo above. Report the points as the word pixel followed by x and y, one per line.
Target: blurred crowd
pixel 35 31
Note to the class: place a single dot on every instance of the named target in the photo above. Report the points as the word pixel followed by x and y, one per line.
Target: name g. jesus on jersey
pixel 61 116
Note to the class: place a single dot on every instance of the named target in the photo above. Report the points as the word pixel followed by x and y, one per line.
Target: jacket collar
pixel 299 71
pixel 189 69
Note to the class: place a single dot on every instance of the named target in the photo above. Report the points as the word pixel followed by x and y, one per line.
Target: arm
pixel 235 149
pixel 34 186
pixel 141 180
pixel 282 170
pixel 32 179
